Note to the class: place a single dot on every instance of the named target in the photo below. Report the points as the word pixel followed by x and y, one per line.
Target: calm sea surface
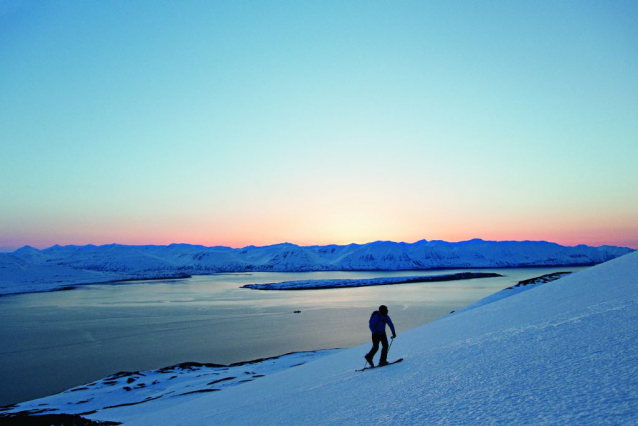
pixel 50 342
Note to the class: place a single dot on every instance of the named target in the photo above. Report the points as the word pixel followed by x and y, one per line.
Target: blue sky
pixel 241 123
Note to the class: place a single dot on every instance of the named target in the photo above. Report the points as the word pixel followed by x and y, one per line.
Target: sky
pixel 239 123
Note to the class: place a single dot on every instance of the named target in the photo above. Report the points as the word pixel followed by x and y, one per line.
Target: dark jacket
pixel 378 322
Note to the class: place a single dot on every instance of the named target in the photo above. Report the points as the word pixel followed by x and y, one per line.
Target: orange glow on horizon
pixel 339 225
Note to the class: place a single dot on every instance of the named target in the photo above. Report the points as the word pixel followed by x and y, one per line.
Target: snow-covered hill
pixel 560 353
pixel 29 269
pixel 18 275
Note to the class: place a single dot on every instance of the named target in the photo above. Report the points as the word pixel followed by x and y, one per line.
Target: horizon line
pixel 14 249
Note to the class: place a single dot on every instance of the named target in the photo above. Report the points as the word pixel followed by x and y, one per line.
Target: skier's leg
pixel 375 346
pixel 384 351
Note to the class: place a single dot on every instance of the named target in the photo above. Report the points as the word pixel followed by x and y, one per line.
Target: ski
pixel 367 367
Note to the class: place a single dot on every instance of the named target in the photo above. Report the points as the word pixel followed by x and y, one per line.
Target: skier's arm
pixel 394 334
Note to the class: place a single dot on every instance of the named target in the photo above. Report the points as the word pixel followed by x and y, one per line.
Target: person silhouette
pixel 377 323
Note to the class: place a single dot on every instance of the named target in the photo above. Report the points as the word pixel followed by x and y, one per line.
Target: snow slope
pixel 20 276
pixel 520 287
pixel 40 270
pixel 561 353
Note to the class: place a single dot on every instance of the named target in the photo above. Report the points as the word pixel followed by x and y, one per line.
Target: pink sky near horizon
pixel 325 218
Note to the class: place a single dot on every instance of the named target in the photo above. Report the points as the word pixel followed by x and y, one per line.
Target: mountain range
pixel 29 269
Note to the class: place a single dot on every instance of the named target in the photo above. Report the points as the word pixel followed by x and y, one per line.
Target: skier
pixel 378 320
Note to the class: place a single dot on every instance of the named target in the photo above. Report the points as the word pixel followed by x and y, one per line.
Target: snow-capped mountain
pixel 29 266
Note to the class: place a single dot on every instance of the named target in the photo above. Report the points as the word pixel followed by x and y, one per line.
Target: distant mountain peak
pixel 26 249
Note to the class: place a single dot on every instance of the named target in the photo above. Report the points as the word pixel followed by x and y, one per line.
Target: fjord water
pixel 54 341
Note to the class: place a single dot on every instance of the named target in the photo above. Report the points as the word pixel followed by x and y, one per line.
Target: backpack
pixel 372 316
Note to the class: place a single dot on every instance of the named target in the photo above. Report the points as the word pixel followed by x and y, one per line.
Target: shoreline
pixel 110 398
pixel 69 287
pixel 191 274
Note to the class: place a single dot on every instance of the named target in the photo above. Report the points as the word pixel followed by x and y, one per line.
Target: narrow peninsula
pixel 367 282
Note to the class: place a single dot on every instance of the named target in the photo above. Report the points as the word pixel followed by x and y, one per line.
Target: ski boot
pixel 369 359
